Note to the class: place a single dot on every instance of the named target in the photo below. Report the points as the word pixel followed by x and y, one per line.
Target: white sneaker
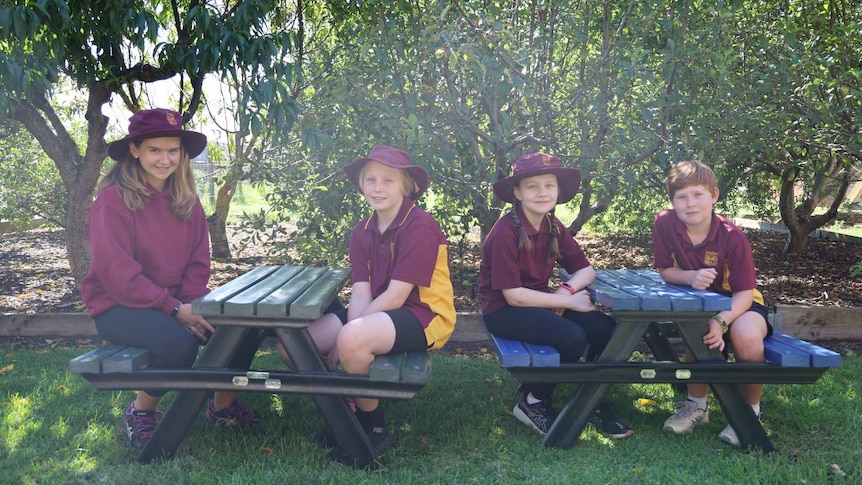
pixel 728 435
pixel 686 418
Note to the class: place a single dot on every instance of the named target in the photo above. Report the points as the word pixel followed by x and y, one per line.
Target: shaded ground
pixel 35 277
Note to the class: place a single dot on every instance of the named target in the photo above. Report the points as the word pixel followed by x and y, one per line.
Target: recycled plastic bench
pixel 411 368
pixel 643 305
pixel 282 300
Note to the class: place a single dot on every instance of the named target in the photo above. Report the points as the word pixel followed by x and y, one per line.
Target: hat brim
pixel 193 141
pixel 419 175
pixel 568 181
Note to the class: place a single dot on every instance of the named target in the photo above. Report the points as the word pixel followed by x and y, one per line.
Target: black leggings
pixel 169 343
pixel 570 334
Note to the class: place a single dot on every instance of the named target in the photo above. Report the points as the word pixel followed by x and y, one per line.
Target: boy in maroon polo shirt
pixel 694 246
pixel 402 298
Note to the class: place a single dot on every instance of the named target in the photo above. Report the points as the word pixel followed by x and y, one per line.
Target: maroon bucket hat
pixel 154 123
pixel 391 157
pixel 532 164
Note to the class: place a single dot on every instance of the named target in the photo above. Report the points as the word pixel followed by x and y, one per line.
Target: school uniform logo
pixel 710 258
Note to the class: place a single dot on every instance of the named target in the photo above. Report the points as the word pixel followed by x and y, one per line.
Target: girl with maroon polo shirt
pixel 151 259
pixel 694 246
pixel 518 258
pixel 402 298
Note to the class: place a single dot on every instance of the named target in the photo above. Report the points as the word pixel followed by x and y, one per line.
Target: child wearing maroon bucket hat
pixel 151 259
pixel 402 298
pixel 518 258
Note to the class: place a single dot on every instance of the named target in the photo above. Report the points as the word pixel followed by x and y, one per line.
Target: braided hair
pixel 524 240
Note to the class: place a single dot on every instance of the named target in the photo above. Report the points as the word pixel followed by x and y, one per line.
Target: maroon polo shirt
pixel 505 266
pixel 413 249
pixel 726 249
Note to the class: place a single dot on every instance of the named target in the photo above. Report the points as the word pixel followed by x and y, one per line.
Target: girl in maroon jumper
pixel 151 259
pixel 518 258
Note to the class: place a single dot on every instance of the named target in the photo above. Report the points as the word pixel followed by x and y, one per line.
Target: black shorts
pixel 760 310
pixel 409 334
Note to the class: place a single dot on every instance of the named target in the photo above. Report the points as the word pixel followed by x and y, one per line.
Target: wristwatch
pixel 568 287
pixel 718 318
pixel 176 310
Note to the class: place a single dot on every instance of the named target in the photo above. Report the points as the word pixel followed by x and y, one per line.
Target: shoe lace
pixel 685 408
pixel 145 424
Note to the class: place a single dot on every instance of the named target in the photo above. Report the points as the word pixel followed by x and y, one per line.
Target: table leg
pixel 580 407
pixel 340 420
pixel 736 408
pixel 187 404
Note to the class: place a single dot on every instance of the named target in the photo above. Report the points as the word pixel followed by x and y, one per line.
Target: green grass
pixel 247 199
pixel 55 428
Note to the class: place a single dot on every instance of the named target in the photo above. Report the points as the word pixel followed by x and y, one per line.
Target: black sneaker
pixel 539 416
pixel 326 439
pixel 380 437
pixel 605 421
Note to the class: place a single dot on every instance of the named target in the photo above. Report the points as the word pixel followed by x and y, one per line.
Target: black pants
pixel 169 343
pixel 571 334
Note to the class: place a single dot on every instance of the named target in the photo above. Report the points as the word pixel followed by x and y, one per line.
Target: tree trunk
pixel 217 222
pixel 78 202
pixel 800 221
pixel 79 173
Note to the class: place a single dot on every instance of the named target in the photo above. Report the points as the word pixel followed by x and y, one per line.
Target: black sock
pixel 371 419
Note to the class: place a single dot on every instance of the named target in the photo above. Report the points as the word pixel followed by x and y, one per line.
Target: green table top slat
pixel 315 299
pixel 211 303
pixel 243 304
pixel 277 304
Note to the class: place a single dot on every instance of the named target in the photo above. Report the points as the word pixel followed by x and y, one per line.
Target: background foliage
pixel 766 92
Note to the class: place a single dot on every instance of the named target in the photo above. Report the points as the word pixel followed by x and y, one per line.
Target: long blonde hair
pixel 130 179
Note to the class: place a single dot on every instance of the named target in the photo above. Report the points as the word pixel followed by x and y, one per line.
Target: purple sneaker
pixel 137 427
pixel 236 413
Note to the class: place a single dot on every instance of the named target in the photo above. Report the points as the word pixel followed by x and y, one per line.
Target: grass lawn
pixel 55 428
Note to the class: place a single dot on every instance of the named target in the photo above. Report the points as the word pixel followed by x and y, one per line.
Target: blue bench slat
pixel 820 357
pixel 543 355
pixel 511 352
pixel 785 355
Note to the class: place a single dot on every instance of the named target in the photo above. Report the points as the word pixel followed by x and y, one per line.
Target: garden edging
pixel 802 321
